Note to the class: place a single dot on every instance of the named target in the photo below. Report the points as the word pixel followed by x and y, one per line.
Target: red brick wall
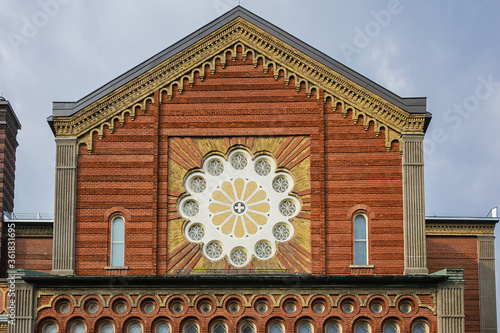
pixel 458 252
pixel 34 253
pixel 128 169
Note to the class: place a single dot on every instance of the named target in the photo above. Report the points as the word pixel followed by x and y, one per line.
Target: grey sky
pixel 448 51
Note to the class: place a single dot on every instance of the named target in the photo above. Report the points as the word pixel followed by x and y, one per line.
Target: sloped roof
pixel 268 44
pixel 410 104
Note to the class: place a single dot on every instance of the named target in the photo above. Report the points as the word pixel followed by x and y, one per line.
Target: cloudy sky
pixel 448 51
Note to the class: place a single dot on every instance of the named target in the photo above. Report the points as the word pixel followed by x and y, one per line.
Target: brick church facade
pixel 242 181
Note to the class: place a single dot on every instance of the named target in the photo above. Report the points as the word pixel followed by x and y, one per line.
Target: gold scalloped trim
pixel 264 47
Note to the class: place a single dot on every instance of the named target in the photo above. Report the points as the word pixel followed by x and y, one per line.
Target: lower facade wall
pixel 262 310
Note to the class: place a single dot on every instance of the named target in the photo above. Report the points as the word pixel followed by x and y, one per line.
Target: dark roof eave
pixel 410 104
pixel 461 219
pixel 228 281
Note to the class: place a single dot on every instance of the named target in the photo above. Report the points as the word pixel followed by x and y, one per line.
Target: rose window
pixel 239 207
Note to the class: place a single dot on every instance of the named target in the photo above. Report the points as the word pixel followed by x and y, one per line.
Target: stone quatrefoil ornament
pixel 239 207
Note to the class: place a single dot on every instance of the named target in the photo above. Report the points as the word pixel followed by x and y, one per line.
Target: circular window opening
pixel 233 307
pixel 376 307
pixel 239 256
pixel 198 184
pixel 287 208
pixel 92 307
pixel 196 232
pixel 347 308
pixel 214 250
pixel 64 307
pixel 281 232
pixel 205 307
pixel 148 307
pixel 263 167
pixel 177 307
pixel 239 161
pixel 191 208
pixel 120 307
pixel 281 184
pixel 290 307
pixel 263 250
pixel 215 168
pixel 318 307
pixel 405 307
pixel 261 307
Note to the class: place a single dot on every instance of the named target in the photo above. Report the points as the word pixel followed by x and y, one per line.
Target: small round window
pixel 196 232
pixel 347 307
pixel 239 256
pixel 233 307
pixel 405 307
pixel 282 232
pixel 177 307
pixel 281 184
pixel 261 307
pixel 64 307
pixel 263 167
pixel 120 307
pixel 263 250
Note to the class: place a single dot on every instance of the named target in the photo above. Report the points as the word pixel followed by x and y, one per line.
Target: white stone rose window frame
pixel 239 207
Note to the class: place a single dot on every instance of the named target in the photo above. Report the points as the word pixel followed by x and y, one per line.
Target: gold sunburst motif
pixel 239 207
pixel 236 205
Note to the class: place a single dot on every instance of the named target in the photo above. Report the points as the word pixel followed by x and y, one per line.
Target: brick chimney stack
pixel 9 125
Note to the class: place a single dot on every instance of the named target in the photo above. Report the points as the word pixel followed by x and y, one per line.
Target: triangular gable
pixel 309 68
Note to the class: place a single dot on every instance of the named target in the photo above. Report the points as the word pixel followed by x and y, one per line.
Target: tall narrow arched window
pixel 360 240
pixel 117 241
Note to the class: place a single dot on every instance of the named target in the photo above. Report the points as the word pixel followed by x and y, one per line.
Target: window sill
pixel 116 267
pixel 361 266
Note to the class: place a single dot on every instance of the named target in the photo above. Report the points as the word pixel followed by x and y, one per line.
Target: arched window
pixel 391 327
pixel 276 327
pixel 134 327
pixel 191 327
pixel 247 327
pixel 305 327
pixel 362 327
pixel 333 327
pixel 360 240
pixel 219 327
pixel 162 327
pixel 107 327
pixel 117 241
pixel 50 327
pixel 78 327
pixel 419 327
